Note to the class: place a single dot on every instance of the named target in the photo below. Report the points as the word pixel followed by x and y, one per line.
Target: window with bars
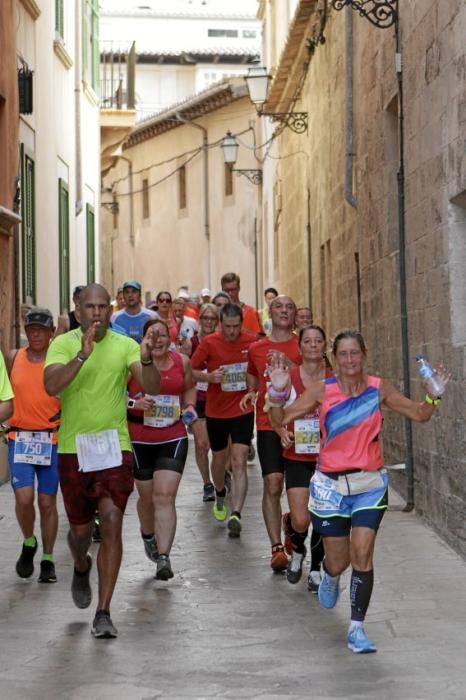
pixel 59 19
pixel 230 33
pixel 91 55
pixel 182 187
pixel 63 245
pixel 28 229
pixel 90 242
pixel 145 199
pixel 228 170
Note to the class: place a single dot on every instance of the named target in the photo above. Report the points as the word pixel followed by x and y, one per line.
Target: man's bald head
pixel 92 289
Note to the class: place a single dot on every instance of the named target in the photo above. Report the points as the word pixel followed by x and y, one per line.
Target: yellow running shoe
pixel 220 514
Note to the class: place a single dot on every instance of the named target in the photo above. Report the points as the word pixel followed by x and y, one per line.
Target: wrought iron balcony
pixel 117 76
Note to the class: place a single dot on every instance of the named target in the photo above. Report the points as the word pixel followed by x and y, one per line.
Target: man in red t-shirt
pixel 225 354
pixel 281 340
pixel 231 285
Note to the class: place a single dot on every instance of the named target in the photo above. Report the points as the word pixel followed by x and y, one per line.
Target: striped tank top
pixel 350 428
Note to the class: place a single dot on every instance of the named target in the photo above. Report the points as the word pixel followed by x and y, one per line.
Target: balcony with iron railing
pixel 117 75
pixel 117 97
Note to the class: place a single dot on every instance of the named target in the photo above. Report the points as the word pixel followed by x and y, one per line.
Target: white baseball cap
pixel 205 292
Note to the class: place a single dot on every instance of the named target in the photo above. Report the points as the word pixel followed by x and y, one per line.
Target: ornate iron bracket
pixel 296 121
pixel 254 176
pixel 381 13
pixel 112 207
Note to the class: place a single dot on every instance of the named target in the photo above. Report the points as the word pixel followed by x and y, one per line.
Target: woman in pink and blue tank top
pixel 349 490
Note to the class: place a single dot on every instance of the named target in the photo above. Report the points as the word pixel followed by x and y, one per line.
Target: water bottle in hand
pixel 188 417
pixel 429 374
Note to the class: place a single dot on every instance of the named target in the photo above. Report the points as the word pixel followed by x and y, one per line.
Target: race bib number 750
pixel 33 448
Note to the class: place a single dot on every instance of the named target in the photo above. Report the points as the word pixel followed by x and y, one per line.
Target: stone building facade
pixel 179 215
pixel 59 146
pixel 332 225
pixel 8 169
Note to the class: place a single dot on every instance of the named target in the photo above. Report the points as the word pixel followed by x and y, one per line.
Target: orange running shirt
pixel 33 407
pixel 251 321
pixel 214 351
pixel 257 363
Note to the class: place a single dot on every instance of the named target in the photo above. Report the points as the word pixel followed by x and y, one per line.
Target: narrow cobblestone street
pixel 226 626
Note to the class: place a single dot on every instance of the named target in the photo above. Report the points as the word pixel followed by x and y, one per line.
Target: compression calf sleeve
pixel 362 583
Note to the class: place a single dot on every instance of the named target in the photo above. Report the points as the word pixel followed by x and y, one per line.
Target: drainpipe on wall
pixel 131 196
pixel 349 153
pixel 205 153
pixel 402 271
pixel 78 206
pixel 309 247
pixel 17 264
pixel 349 144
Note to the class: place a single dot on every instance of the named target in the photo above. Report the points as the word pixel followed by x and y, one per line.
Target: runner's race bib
pixel 33 448
pixel 307 436
pixel 98 451
pixel 323 494
pixel 165 411
pixel 234 377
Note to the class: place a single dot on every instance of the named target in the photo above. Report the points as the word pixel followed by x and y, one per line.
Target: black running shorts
pixel 240 429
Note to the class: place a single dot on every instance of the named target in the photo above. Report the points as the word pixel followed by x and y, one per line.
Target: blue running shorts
pixel 24 474
pixel 341 501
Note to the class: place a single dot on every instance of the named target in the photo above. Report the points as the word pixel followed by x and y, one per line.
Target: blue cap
pixel 419 357
pixel 132 283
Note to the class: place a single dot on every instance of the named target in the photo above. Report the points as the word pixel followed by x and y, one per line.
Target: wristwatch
pixel 130 403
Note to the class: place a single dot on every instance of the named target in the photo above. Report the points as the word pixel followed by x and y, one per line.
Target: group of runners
pixel 109 404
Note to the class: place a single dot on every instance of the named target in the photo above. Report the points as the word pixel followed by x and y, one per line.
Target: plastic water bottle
pixel 188 418
pixel 429 374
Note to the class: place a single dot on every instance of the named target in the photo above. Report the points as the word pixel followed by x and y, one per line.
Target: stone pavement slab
pixel 226 626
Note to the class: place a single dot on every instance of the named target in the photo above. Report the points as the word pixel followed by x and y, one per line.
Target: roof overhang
pixel 188 57
pixel 287 73
pixel 203 103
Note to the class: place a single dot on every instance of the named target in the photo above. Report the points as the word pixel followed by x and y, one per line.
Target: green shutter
pixel 95 47
pixel 90 39
pixel 28 229
pixel 59 18
pixel 64 245
pixel 90 237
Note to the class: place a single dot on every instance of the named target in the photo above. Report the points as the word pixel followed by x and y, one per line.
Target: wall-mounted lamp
pixel 230 147
pixel 257 80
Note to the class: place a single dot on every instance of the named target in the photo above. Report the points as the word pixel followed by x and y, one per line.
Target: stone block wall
pixel 434 88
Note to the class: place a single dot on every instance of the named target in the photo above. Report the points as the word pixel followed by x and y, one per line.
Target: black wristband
pixel 80 357
pixel 146 363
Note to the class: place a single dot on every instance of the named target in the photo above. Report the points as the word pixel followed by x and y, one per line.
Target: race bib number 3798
pixel 165 411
